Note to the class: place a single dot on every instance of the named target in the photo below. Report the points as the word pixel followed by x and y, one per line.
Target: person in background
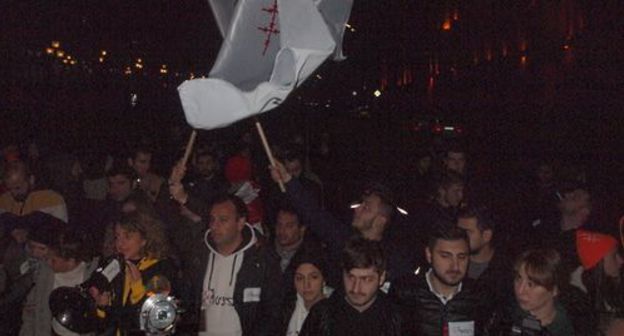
pixel 600 276
pixel 67 265
pixel 489 264
pixel 239 173
pixel 141 162
pixel 22 198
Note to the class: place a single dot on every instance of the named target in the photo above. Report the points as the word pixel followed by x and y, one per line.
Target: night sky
pixel 521 75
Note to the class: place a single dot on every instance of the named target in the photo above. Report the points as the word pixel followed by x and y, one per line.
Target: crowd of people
pixel 424 254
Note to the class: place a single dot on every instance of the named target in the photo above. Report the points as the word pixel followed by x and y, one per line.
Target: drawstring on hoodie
pixel 212 256
pixel 211 270
pixel 233 268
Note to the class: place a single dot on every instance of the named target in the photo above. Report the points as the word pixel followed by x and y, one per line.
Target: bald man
pixel 21 198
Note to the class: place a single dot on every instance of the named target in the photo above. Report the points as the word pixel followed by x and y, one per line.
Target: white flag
pixel 270 47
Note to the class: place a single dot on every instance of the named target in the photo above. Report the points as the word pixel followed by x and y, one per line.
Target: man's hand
pixel 279 173
pixel 177 173
pixel 101 299
pixel 184 211
pixel 177 192
pixel 176 189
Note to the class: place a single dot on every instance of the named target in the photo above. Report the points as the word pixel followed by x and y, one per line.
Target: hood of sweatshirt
pixel 249 239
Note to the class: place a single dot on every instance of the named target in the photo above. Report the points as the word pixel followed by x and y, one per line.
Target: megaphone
pixel 73 307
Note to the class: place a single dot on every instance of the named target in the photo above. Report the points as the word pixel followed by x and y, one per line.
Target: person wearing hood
pixel 238 282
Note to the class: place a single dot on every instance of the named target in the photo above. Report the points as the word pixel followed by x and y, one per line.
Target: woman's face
pixel 129 243
pixel 530 296
pixel 613 263
pixel 309 283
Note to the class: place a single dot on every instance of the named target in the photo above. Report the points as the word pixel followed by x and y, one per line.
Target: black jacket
pixel 497 279
pixel 334 316
pixel 425 314
pixel 260 269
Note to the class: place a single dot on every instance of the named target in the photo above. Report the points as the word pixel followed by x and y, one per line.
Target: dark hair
pixel 17 167
pixel 446 232
pixel 363 253
pixel 239 205
pixel 68 244
pixel 543 266
pixel 141 148
pixel 292 154
pixel 205 152
pixel 287 208
pixel 455 147
pixel 120 169
pixel 387 206
pixel 450 178
pixel 485 220
pixel 311 255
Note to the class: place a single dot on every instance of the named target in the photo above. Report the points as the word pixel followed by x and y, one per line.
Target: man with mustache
pixel 362 308
pixel 442 301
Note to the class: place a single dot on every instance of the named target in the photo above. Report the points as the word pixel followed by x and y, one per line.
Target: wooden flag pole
pixel 267 149
pixel 189 147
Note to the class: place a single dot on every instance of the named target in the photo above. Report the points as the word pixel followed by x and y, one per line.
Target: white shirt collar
pixel 441 297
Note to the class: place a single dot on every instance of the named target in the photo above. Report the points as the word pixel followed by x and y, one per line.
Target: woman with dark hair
pixel 141 241
pixel 309 281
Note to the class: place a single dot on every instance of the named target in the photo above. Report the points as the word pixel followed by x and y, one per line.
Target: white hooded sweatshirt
pixel 218 291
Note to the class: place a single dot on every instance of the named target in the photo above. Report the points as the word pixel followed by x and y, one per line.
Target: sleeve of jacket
pixel 316 324
pixel 28 315
pixel 320 222
pixel 406 303
pixel 272 295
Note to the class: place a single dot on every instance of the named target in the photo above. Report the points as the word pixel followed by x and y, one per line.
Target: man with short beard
pixel 362 308
pixel 441 301
pixel 489 266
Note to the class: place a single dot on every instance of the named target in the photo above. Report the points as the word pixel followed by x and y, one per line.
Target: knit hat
pixel 593 247
pixel 238 169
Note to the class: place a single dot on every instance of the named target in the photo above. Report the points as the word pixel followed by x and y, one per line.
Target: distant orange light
pixel 446 25
pixel 523 60
pixel 456 15
pixel 523 45
pixel 56 44
pixel 566 47
pixel 49 51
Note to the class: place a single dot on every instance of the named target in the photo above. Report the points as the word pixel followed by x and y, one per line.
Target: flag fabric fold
pixel 270 47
